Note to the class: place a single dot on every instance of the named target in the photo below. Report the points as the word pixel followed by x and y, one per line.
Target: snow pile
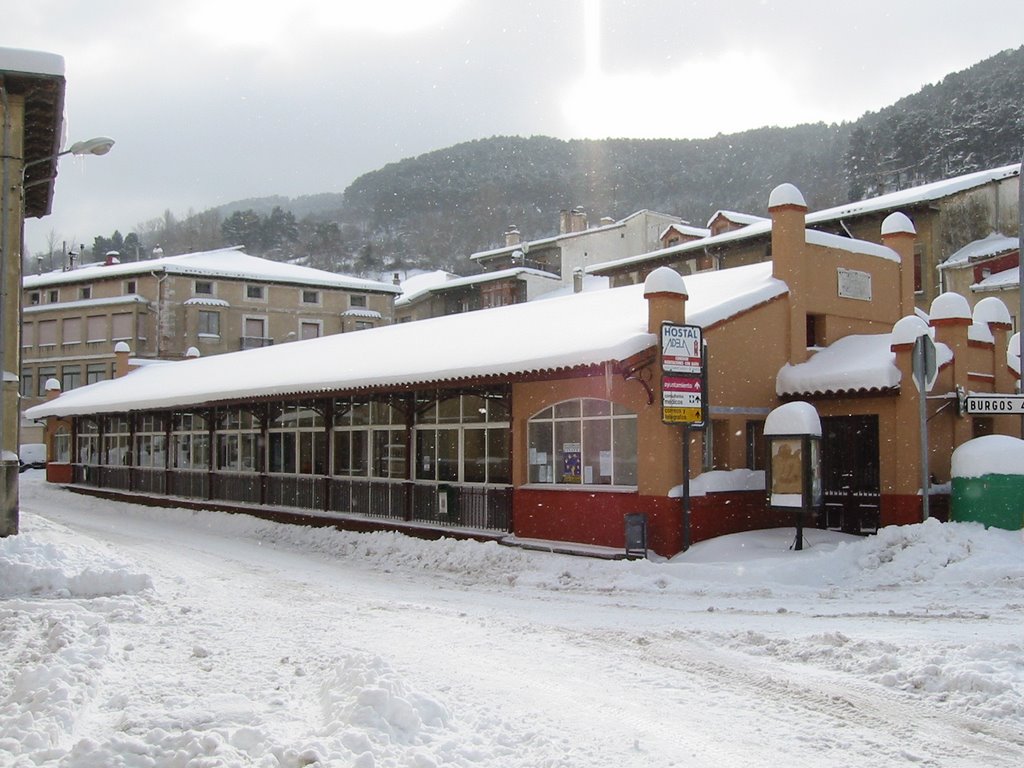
pixel 30 565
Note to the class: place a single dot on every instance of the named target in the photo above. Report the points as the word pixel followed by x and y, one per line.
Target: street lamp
pixel 11 198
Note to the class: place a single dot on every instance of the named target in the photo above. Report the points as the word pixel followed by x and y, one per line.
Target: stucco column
pixel 898 233
pixel 789 221
pixel 951 318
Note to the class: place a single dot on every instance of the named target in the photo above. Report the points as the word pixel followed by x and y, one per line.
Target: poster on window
pixel 787 473
pixel 571 463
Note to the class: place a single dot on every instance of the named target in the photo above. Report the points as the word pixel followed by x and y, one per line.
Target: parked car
pixel 32 456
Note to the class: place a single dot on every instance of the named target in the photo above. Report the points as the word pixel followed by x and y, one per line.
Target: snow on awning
pixel 370 313
pixel 580 330
pixel 206 302
pixel 861 363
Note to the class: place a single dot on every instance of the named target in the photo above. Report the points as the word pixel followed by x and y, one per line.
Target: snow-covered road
pixel 146 637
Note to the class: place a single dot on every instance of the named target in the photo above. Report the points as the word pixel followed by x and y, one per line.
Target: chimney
pixel 512 236
pixel 666 296
pixel 578 220
pixel 606 221
pixel 121 354
pixel 53 389
pixel 577 280
pixel 898 233
pixel 395 278
pixel 564 222
pixel 788 211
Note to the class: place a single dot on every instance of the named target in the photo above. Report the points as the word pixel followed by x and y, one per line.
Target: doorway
pixel 850 473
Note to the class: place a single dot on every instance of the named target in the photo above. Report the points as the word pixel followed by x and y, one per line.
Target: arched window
pixel 583 442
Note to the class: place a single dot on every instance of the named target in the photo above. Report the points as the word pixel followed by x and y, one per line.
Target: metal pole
pixel 1020 284
pixel 686 486
pixel 6 525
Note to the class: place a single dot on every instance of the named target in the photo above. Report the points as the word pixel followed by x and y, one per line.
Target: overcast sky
pixel 212 101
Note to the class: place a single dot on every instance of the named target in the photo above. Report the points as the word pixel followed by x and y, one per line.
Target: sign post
pixel 925 370
pixel 683 387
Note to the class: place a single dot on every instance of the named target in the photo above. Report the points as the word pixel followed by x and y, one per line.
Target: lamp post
pixel 12 206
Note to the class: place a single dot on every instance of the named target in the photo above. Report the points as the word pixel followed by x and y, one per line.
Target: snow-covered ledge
pixel 722 481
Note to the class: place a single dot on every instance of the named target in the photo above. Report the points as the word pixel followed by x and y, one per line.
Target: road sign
pixel 682 400
pixel 994 405
pixel 925 366
pixel 681 348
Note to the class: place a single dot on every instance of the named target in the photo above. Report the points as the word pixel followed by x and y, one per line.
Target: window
pixel 45 374
pixel 62 445
pixel 28 334
pixel 815 331
pixel 311 297
pixel 918 279
pixel 95 372
pixel 85 292
pixel 357 300
pixel 583 442
pixel 151 442
pixel 33 298
pixel 117 442
pixel 464 439
pixel 54 296
pixel 25 388
pixel 369 439
pixel 87 442
pixel 47 333
pixel 190 442
pixel 209 323
pixel 203 288
pixel 255 292
pixel 298 443
pixel 238 442
pixel 71 330
pixel 129 286
pixel 70 377
pixel 121 325
pixel 96 328
pixel 310 329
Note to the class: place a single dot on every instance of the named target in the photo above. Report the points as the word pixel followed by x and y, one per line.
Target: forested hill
pixel 435 209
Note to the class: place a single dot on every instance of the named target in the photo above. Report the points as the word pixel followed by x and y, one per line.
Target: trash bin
pixel 636 534
pixel 988 482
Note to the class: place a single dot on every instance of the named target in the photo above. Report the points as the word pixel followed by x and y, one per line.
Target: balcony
pixel 254 342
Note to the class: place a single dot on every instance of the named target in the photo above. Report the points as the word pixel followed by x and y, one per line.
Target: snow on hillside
pixel 137 636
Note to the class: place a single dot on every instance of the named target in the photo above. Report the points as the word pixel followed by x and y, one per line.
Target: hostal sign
pixel 682 396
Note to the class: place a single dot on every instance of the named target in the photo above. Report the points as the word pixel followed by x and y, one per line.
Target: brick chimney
pixel 788 211
pixel 121 354
pixel 512 236
pixel 53 389
pixel 665 291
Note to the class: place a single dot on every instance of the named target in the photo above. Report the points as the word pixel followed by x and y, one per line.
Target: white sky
pixel 216 102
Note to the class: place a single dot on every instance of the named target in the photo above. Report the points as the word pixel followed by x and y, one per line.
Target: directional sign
pixel 925 366
pixel 681 348
pixel 682 400
pixel 994 405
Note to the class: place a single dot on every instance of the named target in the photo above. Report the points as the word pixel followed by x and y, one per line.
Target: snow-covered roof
pixel 907 198
pixel 525 246
pixel 229 263
pixel 995 244
pixel 513 273
pixel 416 285
pixel 859 363
pixel 797 418
pixel 685 229
pixel 31 62
pixel 577 330
pixel 735 217
pixel 1000 281
pixel 826 240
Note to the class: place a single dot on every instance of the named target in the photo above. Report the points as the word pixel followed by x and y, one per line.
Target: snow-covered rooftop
pixel 735 217
pixel 577 330
pixel 994 245
pixel 1000 281
pixel 31 62
pixel 221 263
pixel 852 364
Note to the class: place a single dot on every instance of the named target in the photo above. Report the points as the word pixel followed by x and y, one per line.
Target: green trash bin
pixel 988 482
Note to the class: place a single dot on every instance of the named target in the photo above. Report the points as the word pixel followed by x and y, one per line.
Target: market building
pixel 543 421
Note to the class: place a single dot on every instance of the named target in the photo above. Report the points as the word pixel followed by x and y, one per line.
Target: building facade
pixel 214 302
pixel 31 132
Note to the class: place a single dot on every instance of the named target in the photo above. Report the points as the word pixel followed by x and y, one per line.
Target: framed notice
pixel 682 400
pixel 854 284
